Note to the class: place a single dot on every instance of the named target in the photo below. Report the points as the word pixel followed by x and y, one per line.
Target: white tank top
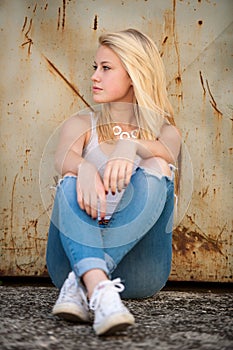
pixel 93 154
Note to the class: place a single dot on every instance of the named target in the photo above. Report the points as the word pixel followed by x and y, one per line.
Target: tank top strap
pixel 93 142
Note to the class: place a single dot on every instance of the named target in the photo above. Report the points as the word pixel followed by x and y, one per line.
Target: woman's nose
pixel 95 76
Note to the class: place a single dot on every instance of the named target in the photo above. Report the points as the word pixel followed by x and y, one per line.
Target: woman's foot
pixel 72 302
pixel 110 313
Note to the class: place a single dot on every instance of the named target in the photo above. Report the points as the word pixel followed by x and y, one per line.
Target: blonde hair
pixel 141 59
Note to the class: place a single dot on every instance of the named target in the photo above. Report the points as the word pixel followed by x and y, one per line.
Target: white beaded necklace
pixel 117 130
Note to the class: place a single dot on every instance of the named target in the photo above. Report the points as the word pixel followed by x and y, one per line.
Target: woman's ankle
pixel 92 278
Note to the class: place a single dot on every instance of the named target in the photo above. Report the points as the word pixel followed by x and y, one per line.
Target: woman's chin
pixel 96 98
pixel 99 100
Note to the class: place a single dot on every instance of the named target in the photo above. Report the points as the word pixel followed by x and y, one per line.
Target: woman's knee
pixel 145 289
pixel 66 190
pixel 155 166
pixel 145 281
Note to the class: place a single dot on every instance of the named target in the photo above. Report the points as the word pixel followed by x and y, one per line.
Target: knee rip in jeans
pixel 60 181
pixel 157 167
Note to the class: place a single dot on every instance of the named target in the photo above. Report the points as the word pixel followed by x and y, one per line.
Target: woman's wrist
pixel 126 148
pixel 80 164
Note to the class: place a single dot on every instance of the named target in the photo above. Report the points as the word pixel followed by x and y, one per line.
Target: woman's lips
pixel 96 89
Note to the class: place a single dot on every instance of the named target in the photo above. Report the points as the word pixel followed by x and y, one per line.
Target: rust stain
pixel 20 268
pixel 12 211
pixel 27 151
pixel 178 78
pixel 165 40
pixel 23 267
pixel 172 38
pixel 61 19
pixel 58 18
pixel 34 10
pixel 95 22
pixel 24 24
pixel 168 31
pixel 186 241
pixel 204 192
pixel 203 240
pixel 202 82
pixel 29 28
pixel 28 41
pixel 46 6
pixel 200 22
pixel 163 45
pixel 212 101
pixel 68 83
pixel 64 14
pixel 34 222
pixel 56 179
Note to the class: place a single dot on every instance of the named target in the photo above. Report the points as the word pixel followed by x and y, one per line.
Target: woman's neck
pixel 122 113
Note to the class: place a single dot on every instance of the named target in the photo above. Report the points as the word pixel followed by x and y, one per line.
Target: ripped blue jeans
pixel 135 245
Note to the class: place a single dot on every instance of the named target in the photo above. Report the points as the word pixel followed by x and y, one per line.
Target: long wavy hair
pixel 142 61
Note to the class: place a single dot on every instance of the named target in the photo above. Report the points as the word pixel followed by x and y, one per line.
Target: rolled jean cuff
pixel 87 264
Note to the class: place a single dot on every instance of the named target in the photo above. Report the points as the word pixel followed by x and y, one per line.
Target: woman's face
pixel 111 82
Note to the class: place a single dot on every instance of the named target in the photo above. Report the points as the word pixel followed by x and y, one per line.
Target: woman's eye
pixel 95 67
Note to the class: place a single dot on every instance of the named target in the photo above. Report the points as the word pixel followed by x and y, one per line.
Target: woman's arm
pixel 167 146
pixel 73 137
pixel 119 168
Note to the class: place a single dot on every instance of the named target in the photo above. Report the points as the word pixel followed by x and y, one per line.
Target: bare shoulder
pixel 169 130
pixel 76 131
pixel 77 123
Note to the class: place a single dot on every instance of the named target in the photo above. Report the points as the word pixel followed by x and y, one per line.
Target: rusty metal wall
pixel 47 50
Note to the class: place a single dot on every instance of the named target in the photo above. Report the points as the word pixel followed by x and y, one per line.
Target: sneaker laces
pixel 115 285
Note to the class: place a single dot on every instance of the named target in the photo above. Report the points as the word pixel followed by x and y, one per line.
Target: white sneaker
pixel 72 302
pixel 110 313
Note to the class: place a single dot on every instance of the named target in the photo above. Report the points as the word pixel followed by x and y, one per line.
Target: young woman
pixel 113 211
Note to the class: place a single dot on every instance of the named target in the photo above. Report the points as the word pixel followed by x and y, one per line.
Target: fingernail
pixel 113 193
pixel 106 192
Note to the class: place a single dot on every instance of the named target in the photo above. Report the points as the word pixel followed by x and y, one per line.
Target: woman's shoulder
pixel 79 122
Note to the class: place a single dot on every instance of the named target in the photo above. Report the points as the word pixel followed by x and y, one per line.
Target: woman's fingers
pixel 106 178
pixel 111 176
pixel 92 200
pixel 93 207
pixel 90 190
pixel 117 175
pixel 80 196
pixel 121 178
pixel 102 205
pixel 128 173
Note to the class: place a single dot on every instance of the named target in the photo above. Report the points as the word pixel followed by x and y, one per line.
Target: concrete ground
pixel 179 317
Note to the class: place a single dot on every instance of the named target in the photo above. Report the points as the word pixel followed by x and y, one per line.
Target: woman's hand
pixel 119 168
pixel 90 190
